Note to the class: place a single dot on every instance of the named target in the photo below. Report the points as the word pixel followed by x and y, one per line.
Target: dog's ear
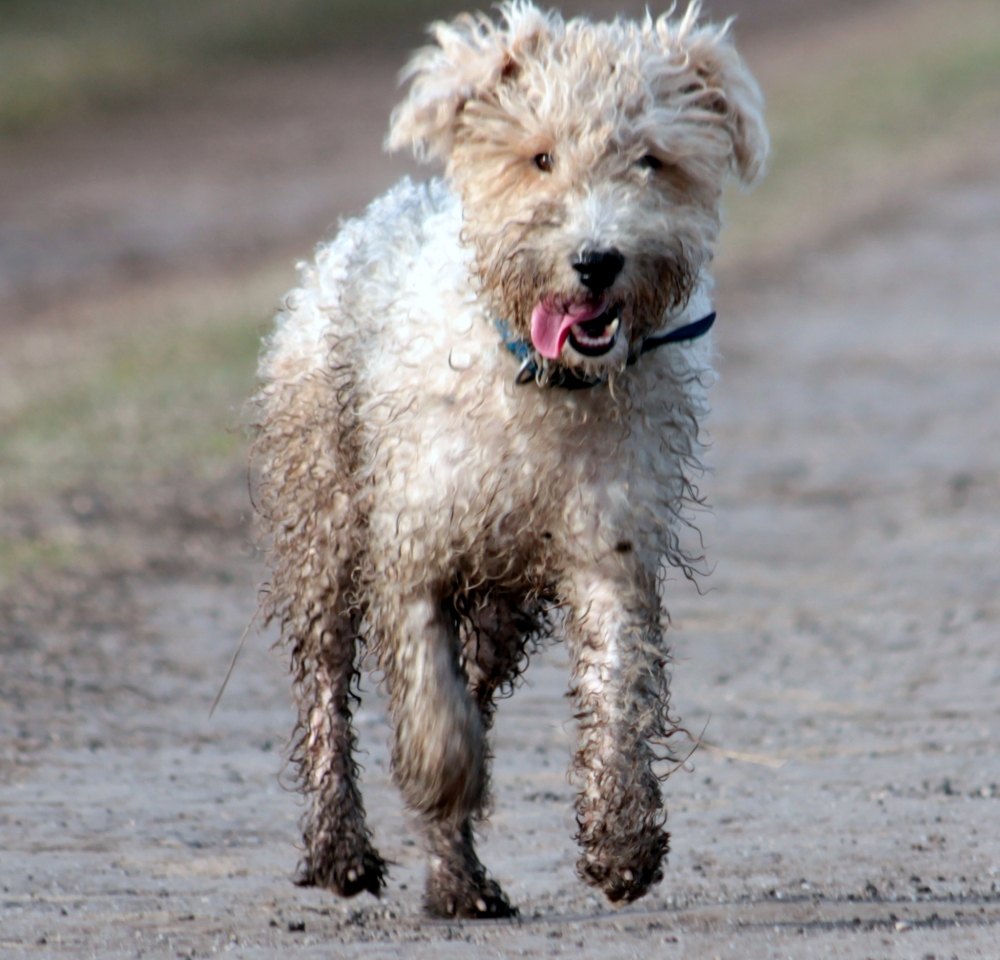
pixel 722 86
pixel 741 105
pixel 471 56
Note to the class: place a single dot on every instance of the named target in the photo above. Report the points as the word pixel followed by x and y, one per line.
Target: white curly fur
pixel 423 503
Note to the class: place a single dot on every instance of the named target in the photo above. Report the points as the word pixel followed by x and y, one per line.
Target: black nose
pixel 598 269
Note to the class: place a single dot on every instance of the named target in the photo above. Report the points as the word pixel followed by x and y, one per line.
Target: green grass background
pixel 161 406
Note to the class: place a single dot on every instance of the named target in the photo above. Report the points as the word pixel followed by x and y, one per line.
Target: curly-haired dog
pixel 479 416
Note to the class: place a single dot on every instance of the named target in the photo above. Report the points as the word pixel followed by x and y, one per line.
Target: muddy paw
pixel 629 884
pixel 625 879
pixel 482 901
pixel 344 875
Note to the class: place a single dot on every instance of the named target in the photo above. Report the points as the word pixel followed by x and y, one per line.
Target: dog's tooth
pixel 481 905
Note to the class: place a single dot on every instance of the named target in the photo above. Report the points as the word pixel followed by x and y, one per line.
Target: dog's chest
pixel 461 442
pixel 451 445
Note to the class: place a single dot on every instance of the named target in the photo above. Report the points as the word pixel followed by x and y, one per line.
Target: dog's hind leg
pixel 440 756
pixel 619 683
pixel 338 850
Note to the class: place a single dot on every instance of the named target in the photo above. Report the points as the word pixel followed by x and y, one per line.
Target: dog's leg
pixel 339 854
pixel 308 506
pixel 440 757
pixel 495 633
pixel 620 687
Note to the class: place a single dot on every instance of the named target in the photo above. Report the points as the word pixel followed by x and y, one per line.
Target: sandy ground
pixel 843 662
pixel 844 666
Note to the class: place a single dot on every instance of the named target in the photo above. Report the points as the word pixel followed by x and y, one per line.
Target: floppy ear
pixel 743 105
pixel 471 57
pixel 724 88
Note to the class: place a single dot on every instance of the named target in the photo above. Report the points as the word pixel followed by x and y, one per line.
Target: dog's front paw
pixel 452 897
pixel 621 883
pixel 343 872
pixel 626 874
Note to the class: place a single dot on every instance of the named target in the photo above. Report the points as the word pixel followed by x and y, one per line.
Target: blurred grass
pixel 850 133
pixel 62 54
pixel 161 406
pixel 159 398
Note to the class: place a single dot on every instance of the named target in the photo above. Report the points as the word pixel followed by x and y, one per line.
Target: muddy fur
pixel 425 510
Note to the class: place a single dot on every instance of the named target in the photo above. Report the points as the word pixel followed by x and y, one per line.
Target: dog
pixel 478 424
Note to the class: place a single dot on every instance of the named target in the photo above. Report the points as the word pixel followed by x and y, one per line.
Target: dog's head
pixel 590 159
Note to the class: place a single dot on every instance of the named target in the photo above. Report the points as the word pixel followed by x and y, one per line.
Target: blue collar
pixel 567 379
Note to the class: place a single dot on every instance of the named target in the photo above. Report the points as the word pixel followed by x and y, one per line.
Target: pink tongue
pixel 550 326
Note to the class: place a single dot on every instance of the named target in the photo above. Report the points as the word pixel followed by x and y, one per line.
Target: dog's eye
pixel 649 162
pixel 544 162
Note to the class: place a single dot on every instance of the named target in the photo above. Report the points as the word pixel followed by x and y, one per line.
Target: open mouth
pixel 591 326
pixel 596 337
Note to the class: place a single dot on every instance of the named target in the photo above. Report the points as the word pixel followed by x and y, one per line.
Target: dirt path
pixel 845 663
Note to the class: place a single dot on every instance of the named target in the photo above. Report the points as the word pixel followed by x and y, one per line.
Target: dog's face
pixel 590 159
